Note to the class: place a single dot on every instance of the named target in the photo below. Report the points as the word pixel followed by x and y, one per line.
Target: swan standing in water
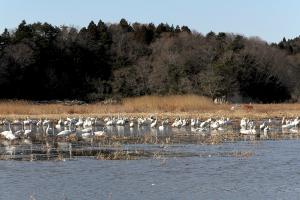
pixel 131 124
pixel 46 122
pixel 87 134
pixel 247 127
pixel 59 124
pixel 80 122
pixel 66 132
pixel 49 130
pixel 163 125
pixel 93 133
pixel 100 133
pixel 27 131
pixel 8 134
pixel 179 123
pixel 87 130
pixel 288 124
pixel 111 122
pixel 263 126
pixel 27 122
pixel 153 124
pixel 39 122
pixel 206 123
pixel 121 122
pixel 214 125
pixel 248 131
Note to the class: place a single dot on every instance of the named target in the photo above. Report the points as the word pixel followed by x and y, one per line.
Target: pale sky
pixel 270 20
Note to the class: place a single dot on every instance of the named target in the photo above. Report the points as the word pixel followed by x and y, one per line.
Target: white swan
pixel 39 122
pixel 100 133
pixel 19 132
pixel 58 126
pixel 131 124
pixel 79 123
pixel 244 123
pixel 288 124
pixel 120 122
pixel 248 131
pixel 206 123
pixel 87 130
pixel 8 134
pixel 153 124
pixel 266 129
pixel 161 127
pixel 111 122
pixel 27 122
pixel 86 134
pixel 193 122
pixel 65 132
pixel 184 123
pixel 46 122
pixel 23 131
pixel 144 121
pixel 247 127
pixel 177 123
pixel 262 126
pixel 27 132
pixel 49 130
pixel 214 125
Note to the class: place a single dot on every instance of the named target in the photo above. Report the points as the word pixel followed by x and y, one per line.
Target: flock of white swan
pixel 85 127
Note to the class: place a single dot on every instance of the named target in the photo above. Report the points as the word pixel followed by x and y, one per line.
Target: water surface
pixel 263 169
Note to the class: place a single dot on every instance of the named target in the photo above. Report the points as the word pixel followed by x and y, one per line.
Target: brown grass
pixel 166 106
pixel 172 103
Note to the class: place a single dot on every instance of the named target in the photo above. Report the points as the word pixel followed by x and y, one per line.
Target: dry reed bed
pixel 163 107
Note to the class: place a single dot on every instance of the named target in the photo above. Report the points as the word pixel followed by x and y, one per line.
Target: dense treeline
pixel 41 62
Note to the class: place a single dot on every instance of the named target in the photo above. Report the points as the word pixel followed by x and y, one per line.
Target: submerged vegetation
pixel 40 61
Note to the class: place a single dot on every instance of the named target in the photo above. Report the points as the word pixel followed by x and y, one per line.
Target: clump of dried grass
pixel 117 155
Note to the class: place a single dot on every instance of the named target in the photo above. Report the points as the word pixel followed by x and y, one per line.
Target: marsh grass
pixel 119 155
pixel 161 106
pixel 174 103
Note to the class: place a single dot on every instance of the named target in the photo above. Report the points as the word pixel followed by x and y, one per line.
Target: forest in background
pixel 40 61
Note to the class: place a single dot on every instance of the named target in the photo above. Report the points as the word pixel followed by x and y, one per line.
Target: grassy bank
pixel 167 106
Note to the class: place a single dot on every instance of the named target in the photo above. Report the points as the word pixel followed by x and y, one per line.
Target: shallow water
pixel 270 171
pixel 174 164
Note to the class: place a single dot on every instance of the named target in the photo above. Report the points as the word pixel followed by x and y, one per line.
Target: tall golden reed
pixel 137 104
pixel 188 105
